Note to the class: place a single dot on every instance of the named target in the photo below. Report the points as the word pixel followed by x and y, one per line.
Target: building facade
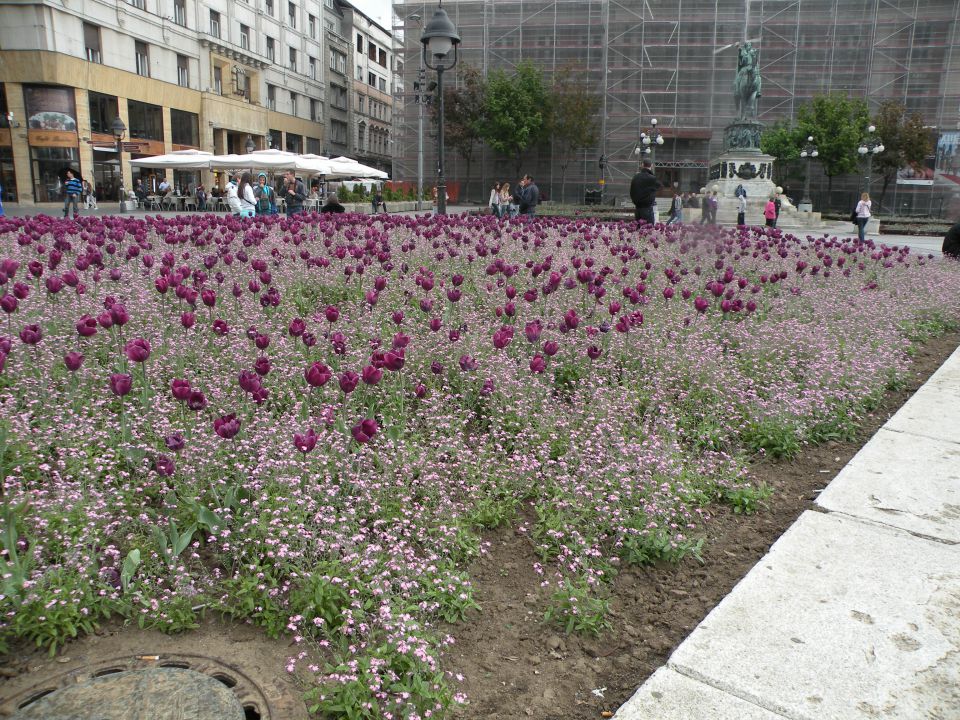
pixel 374 69
pixel 675 60
pixel 206 74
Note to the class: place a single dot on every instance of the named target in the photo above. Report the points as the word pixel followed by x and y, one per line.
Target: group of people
pixel 248 199
pixel 522 200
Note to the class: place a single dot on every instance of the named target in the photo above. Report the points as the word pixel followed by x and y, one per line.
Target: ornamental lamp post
pixel 809 152
pixel 438 38
pixel 119 130
pixel 647 145
pixel 418 87
pixel 869 147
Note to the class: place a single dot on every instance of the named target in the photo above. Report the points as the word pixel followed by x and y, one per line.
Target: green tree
pixel 572 122
pixel 905 140
pixel 516 111
pixel 783 141
pixel 463 115
pixel 838 124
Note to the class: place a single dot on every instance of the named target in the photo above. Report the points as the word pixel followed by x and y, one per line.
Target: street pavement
pixel 854 613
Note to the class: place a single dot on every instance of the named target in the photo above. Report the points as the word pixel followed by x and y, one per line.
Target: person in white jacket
pixel 246 196
pixel 863 215
pixel 233 199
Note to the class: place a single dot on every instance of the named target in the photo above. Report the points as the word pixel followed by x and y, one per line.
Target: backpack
pixel 265 201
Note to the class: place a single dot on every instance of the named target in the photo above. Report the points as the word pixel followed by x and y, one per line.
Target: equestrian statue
pixel 746 86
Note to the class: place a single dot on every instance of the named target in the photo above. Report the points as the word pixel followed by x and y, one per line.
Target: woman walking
pixel 770 213
pixel 863 215
pixel 248 200
pixel 494 201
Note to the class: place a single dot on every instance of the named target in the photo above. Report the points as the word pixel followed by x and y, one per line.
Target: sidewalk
pixel 855 611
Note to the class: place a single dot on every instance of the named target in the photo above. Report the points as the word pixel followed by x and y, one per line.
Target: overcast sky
pixel 379 10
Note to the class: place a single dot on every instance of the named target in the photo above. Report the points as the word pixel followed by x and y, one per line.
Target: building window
pixel 184 128
pixel 359 102
pixel 292 15
pixel 382 84
pixel 145 121
pixel 371 51
pixel 142 53
pixel 271 97
pixel 382 57
pixel 338 96
pixel 218 80
pixel 183 71
pixel 139 4
pixel 271 49
pixel 361 136
pixel 338 61
pixel 293 59
pixel 103 110
pixel 371 79
pixel 359 42
pixel 360 73
pixel 274 136
pixel 338 132
pixel 313 68
pixel 244 37
pixel 215 23
pixel 91 41
pixel 314 110
pixel 294 143
pixel 268 6
pixel 293 103
pixel 180 12
pixel 312 23
pixel 313 145
pixel 328 4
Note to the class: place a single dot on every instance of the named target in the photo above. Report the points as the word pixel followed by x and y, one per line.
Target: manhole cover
pixel 159 693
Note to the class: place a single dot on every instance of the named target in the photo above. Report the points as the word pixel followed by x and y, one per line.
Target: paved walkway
pixel 854 614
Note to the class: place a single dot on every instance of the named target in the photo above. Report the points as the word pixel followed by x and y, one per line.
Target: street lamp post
pixel 869 147
pixel 809 152
pixel 438 38
pixel 418 87
pixel 647 145
pixel 119 130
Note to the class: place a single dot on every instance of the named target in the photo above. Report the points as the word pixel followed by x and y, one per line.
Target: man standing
pixel 72 190
pixel 294 193
pixel 530 196
pixel 643 192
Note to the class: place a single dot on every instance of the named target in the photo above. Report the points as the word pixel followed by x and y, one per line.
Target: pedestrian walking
pixel 676 209
pixel 742 209
pixel 777 202
pixel 770 213
pixel 714 204
pixel 643 192
pixel 89 196
pixel 72 191
pixel 494 201
pixel 248 199
pixel 863 215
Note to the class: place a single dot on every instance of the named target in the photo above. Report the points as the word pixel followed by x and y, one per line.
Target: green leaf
pixel 130 565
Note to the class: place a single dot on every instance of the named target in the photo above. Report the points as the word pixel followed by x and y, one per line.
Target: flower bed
pixel 308 423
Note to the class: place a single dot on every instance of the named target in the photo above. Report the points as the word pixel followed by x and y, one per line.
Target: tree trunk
pixel 883 192
pixel 466 185
pixel 563 182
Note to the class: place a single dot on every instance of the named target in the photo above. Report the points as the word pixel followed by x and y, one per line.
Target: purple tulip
pixel 54 284
pixel 226 426
pixel 331 313
pixel 105 320
pixel 164 466
pixel 119 315
pixel 571 320
pixel 305 442
pixel 31 334
pixel 297 327
pixel 120 384
pixel 8 303
pixel 348 381
pixel 420 390
pixel 21 291
pixel 209 297
pixel 454 294
pixel 86 326
pixel 309 339
pixel 593 352
pixel 188 319
pixel 371 375
pixel 73 361
pixel 262 366
pixel 550 348
pixel 220 327
pixel 435 324
pixel 436 368
pixel 502 337
pixel 161 284
pixel 180 389
pixel 174 442
pixel 468 363
pixel 537 364
pixel 196 401
pixel 317 375
pixel 701 304
pixel 137 350
pixel 249 381
pixel 261 341
pixel 364 432
pixel 379 283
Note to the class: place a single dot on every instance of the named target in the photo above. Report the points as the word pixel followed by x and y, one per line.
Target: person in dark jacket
pixel 529 196
pixel 333 205
pixel 293 193
pixel 951 242
pixel 643 192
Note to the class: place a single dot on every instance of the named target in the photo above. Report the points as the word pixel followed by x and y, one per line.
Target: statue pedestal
pixel 750 168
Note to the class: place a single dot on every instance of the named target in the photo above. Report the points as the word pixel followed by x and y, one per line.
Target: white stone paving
pixel 854 614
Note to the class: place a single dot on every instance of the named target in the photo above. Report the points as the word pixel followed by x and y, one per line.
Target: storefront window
pixel 50 165
pixel 50 108
pixel 145 121
pixel 294 143
pixel 274 138
pixel 8 178
pixel 103 111
pixel 184 128
pixel 105 174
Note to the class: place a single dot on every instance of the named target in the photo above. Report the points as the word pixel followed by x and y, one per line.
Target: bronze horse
pixel 746 87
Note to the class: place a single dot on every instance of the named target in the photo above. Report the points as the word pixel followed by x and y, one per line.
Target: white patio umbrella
pixel 315 165
pixel 178 160
pixel 259 160
pixel 348 167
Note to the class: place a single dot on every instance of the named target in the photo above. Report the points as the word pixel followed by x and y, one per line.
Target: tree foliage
pixel 783 141
pixel 838 124
pixel 573 111
pixel 516 111
pixel 463 111
pixel 905 140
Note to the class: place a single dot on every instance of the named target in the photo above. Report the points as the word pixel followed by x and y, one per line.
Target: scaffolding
pixel 675 60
